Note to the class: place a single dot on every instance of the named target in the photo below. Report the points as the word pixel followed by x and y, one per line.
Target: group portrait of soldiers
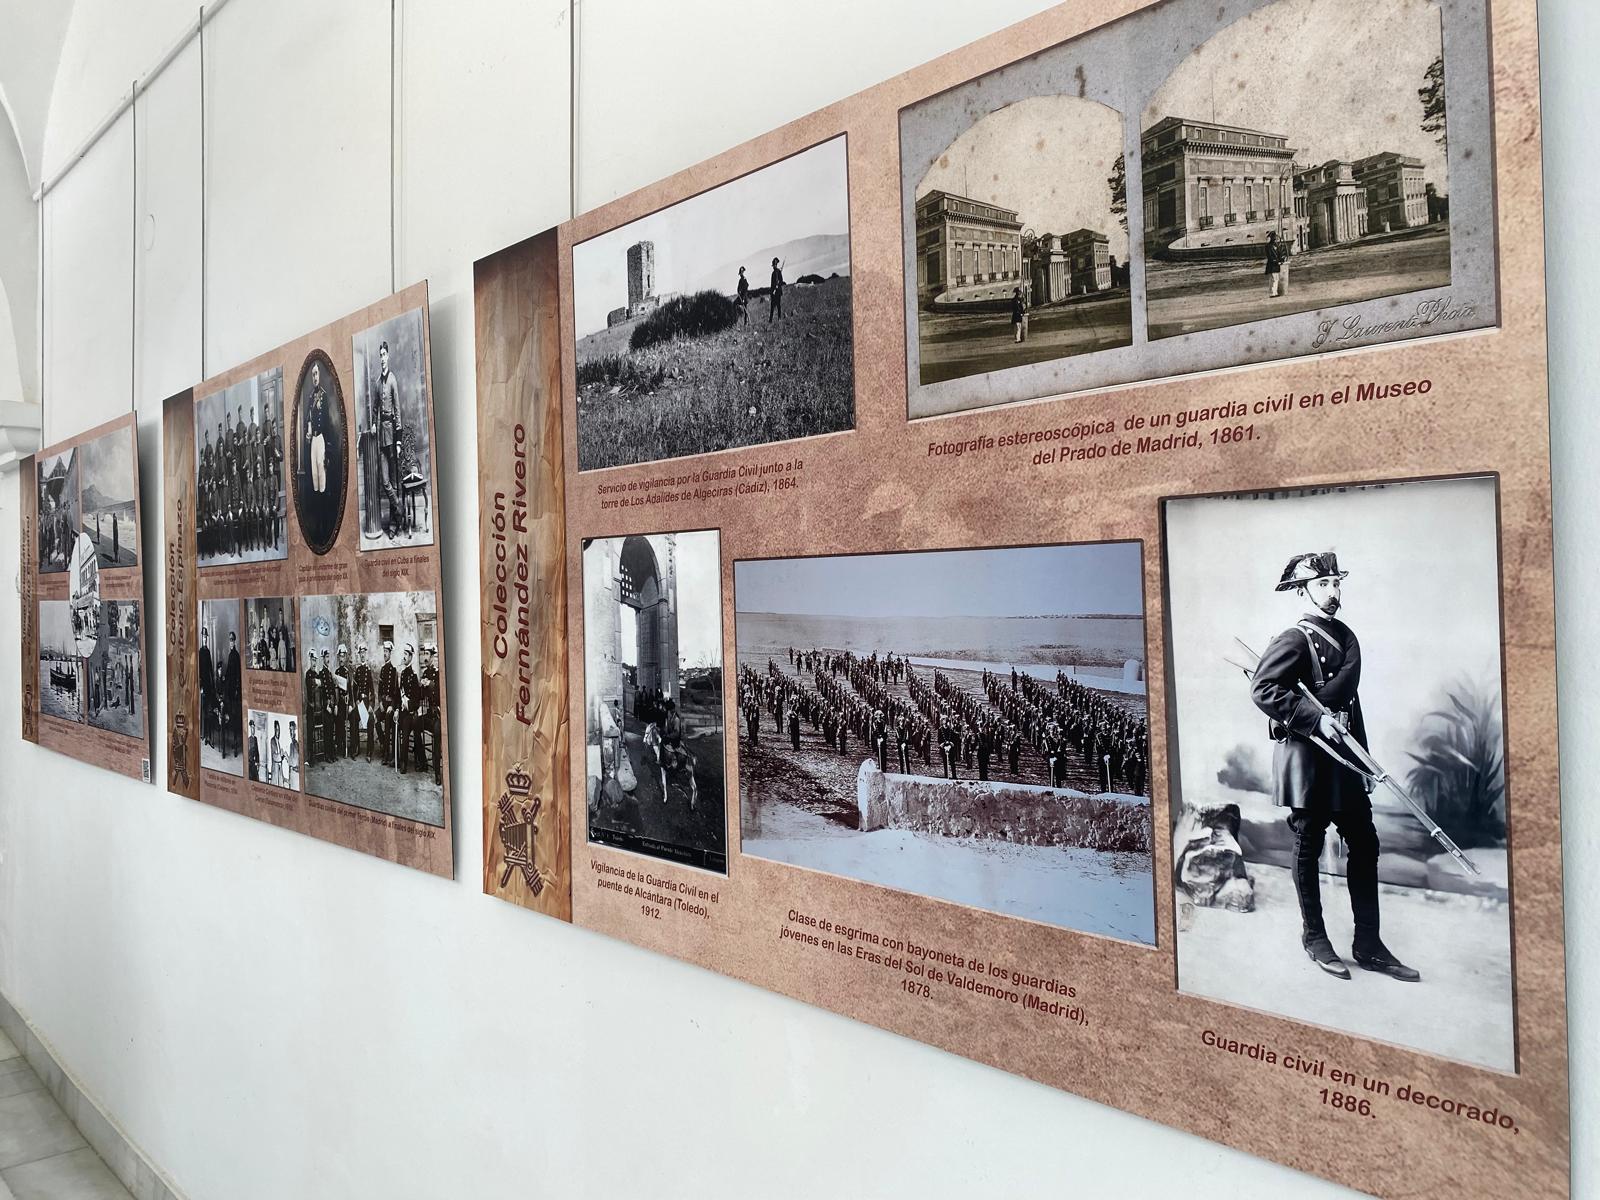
pixel 912 721
pixel 353 711
pixel 238 487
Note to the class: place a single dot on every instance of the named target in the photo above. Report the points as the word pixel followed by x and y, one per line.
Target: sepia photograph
pixel 321 459
pixel 1340 838
pixel 221 687
pixel 269 622
pixel 58 510
pixel 374 722
pixel 114 687
pixel 1022 240
pixel 721 321
pixel 61 675
pixel 969 725
pixel 394 476
pixel 240 502
pixel 106 475
pixel 1297 161
pixel 272 742
pixel 653 721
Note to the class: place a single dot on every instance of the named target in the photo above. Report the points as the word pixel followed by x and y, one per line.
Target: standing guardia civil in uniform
pixel 1312 777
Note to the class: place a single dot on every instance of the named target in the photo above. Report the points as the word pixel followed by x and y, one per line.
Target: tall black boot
pixel 1309 832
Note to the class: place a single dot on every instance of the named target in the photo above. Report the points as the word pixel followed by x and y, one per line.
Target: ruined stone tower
pixel 641 274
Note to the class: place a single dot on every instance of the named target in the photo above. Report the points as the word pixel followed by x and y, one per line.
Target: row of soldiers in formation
pixel 238 484
pixel 1081 716
pixel 398 703
pixel 851 696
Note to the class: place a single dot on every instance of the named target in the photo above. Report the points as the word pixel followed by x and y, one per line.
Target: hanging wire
pixel 43 440
pixel 200 32
pixel 133 258
pixel 572 107
pixel 392 279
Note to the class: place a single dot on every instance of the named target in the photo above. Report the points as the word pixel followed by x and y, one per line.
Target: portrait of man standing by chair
pixel 394 477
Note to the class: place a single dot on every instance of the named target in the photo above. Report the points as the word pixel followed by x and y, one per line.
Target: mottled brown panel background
pixel 343 570
pixel 879 488
pixel 519 426
pixel 28 577
pixel 183 652
pixel 103 747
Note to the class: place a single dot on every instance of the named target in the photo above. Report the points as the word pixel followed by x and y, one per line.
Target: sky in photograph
pixel 1047 157
pixel 699 601
pixel 107 466
pixel 1339 80
pixel 1023 582
pixel 1423 599
pixel 795 198
pixel 55 626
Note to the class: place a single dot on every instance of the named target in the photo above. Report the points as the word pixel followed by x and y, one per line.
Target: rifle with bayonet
pixel 1364 764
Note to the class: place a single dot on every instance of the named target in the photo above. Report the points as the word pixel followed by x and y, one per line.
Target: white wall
pixel 269 1016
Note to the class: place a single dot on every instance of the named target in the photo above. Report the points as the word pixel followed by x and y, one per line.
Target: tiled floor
pixel 42 1155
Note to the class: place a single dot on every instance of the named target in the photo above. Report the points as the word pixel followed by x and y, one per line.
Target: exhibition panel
pixel 1153 738
pixel 83 611
pixel 305 681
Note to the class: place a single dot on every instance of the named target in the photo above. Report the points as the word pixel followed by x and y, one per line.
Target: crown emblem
pixel 518 828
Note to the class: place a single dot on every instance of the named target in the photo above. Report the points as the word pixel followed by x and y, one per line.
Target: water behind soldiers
pixel 1048 642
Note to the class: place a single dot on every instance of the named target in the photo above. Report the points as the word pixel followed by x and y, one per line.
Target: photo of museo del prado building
pixel 1223 188
pixel 969 251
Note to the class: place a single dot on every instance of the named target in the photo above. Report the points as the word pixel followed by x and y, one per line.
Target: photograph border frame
pixel 320 357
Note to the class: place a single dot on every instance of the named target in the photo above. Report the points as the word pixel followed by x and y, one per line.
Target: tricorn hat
pixel 1303 568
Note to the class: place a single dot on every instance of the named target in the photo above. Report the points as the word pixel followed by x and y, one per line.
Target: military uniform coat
pixel 1323 653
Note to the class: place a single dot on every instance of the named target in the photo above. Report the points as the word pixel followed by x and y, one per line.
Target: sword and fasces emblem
pixel 518 830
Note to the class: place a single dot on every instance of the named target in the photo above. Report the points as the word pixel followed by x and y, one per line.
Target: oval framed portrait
pixel 321 452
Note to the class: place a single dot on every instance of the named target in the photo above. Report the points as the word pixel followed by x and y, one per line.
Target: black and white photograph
pixel 83 594
pixel 106 475
pixel 221 687
pixel 114 686
pixel 721 321
pixel 653 720
pixel 58 510
pixel 272 747
pixel 240 502
pixel 321 461
pixel 1022 240
pixel 271 634
pixel 969 725
pixel 61 674
pixel 394 474
pixel 371 699
pixel 1340 838
pixel 1296 161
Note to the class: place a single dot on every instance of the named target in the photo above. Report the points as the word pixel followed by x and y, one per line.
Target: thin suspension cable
pixel 572 107
pixel 200 33
pixel 133 258
pixel 43 440
pixel 392 279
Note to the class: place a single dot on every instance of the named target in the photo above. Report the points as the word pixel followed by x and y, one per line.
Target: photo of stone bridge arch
pixel 653 695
